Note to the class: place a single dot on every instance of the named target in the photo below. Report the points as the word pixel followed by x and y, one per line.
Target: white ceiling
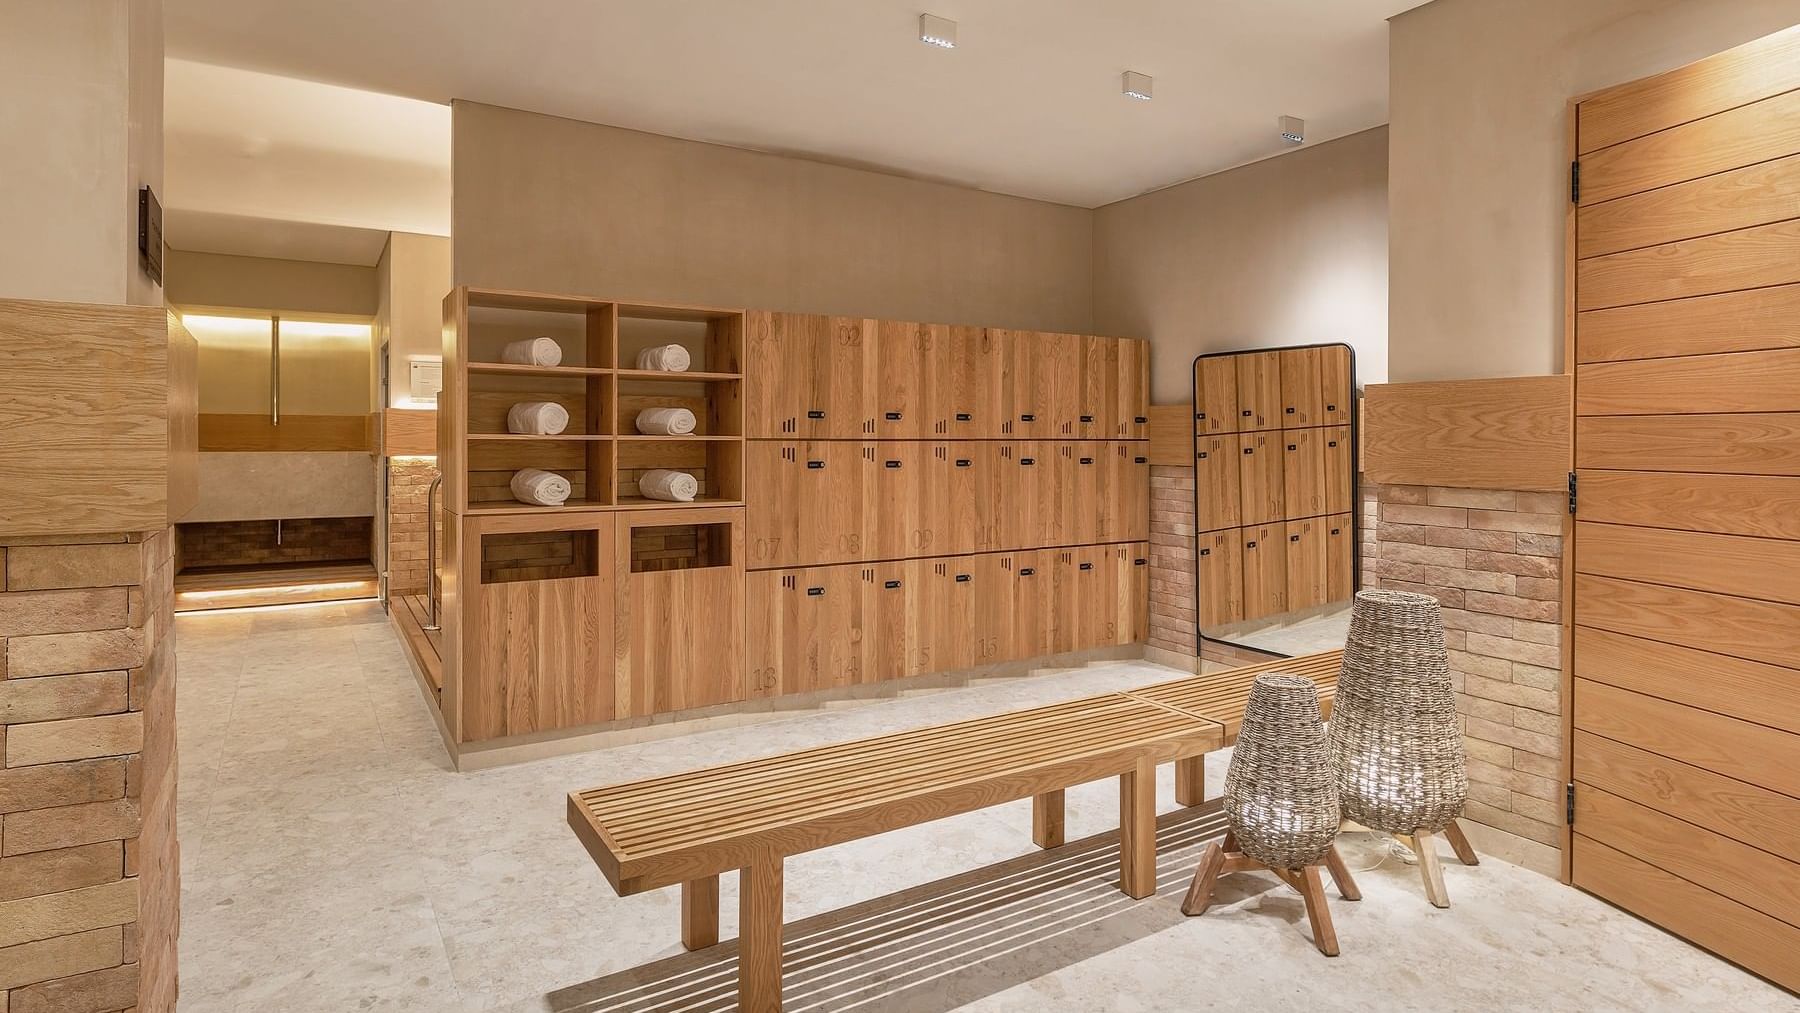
pixel 278 239
pixel 1029 103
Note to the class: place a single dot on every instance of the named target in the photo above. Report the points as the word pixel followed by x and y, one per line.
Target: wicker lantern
pixel 1281 803
pixel 1394 741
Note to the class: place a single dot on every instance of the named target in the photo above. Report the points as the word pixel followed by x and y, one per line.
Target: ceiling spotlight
pixel 1293 130
pixel 937 31
pixel 1137 85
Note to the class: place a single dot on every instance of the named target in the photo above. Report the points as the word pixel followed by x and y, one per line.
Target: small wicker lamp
pixel 1394 741
pixel 1281 804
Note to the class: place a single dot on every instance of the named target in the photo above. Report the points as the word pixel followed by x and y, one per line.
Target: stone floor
pixel 332 861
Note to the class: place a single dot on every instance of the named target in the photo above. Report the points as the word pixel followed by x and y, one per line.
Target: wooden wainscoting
pixel 1510 433
pixel 406 431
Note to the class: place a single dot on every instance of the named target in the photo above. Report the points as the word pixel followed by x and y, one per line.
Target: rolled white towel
pixel 533 352
pixel 674 486
pixel 665 422
pixel 668 358
pixel 537 418
pixel 539 487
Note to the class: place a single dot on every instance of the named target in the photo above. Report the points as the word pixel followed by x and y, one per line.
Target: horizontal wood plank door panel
pixel 1685 625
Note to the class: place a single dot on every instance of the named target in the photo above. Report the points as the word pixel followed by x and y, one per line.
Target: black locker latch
pixel 815 465
pixel 815 592
pixel 963 416
pixel 891 464
pixel 815 414
pixel 962 578
pixel 1087 566
pixel 963 462
pixel 890 585
pixel 893 416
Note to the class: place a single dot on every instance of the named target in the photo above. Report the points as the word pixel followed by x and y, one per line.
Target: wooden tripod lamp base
pixel 1223 859
pixel 1424 845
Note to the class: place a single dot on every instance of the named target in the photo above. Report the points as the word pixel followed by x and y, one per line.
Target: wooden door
pixel 1335 390
pixel 827 505
pixel 1308 580
pixel 1258 390
pixel 1032 618
pixel 1094 515
pixel 993 593
pixel 1265 569
pixel 1219 562
pixel 902 393
pixel 1062 357
pixel 893 508
pixel 1056 494
pixel 1217 482
pixel 1085 598
pixel 1340 558
pixel 1132 475
pixel 1686 625
pixel 1133 388
pixel 1134 592
pixel 1303 472
pixel 1302 389
pixel 934 526
pixel 772 484
pixel 1098 415
pixel 887 622
pixel 822 629
pixel 969 383
pixel 1216 395
pixel 1016 507
pixel 1261 485
pixel 967 498
pixel 681 626
pixel 944 627
pixel 1339 462
pixel 805 374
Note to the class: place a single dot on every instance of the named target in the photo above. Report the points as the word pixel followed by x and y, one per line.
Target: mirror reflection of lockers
pixel 1275 497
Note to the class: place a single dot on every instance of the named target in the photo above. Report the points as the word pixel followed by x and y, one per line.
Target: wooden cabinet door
pixel 1259 390
pixel 1265 570
pixel 822 630
pixel 1307 577
pixel 1134 592
pixel 1134 389
pixel 1088 598
pixel 887 622
pixel 1032 603
pixel 1093 515
pixel 993 596
pixel 1015 513
pixel 1340 557
pixel 680 618
pixel 1219 565
pixel 1063 357
pixel 1335 390
pixel 1063 572
pixel 1056 493
pixel 943 626
pixel 839 398
pixel 1100 410
pixel 1042 391
pixel 1217 482
pixel 1216 395
pixel 766 609
pixel 829 503
pixel 1260 481
pixel 1302 392
pixel 1303 472
pixel 772 508
pixel 893 474
pixel 902 396
pixel 539 656
pixel 777 372
pixel 969 383
pixel 966 499
pixel 1340 466
pixel 1130 481
pixel 934 526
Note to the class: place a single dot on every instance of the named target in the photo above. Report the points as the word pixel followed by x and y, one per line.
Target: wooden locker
pixel 1041 388
pixel 893 473
pixel 905 360
pixel 1217 482
pixel 993 594
pixel 1265 570
pixel 1094 517
pixel 805 375
pixel 1089 596
pixel 967 497
pixel 1014 515
pixel 1063 357
pixel 1100 409
pixel 969 383
pixel 1339 468
pixel 1132 587
pixel 1064 572
pixel 1340 557
pixel 1131 488
pixel 775 381
pixel 934 526
pixel 944 614
pixel 772 508
pixel 1307 549
pixel 1259 390
pixel 829 493
pixel 840 390
pixel 1033 602
pixel 1260 483
pixel 823 631
pixel 766 608
pixel 1134 389
pixel 1302 395
pixel 1219 566
pixel 887 644
pixel 1302 472
pixel 1216 395
pixel 1056 493
pixel 1336 392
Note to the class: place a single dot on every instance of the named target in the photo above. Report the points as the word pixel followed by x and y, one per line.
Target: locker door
pixel 942 620
pixel 964 527
pixel 1306 563
pixel 1302 395
pixel 1094 516
pixel 1100 411
pixel 969 384
pixel 1265 570
pixel 1340 558
pixel 824 641
pixel 1032 603
pixel 1216 395
pixel 887 643
pixel 1056 493
pixel 892 471
pixel 839 406
pixel 776 376
pixel 1064 593
pixel 1259 390
pixel 1335 393
pixel 1018 396
pixel 1015 506
pixel 804 373
pixel 772 503
pixel 900 400
pixel 1260 483
pixel 1064 357
pixel 1338 468
pixel 1132 604
pixel 935 519
pixel 1090 593
pixel 829 503
pixel 1139 527
pixel 1217 482
pixel 993 596
pixel 766 608
pixel 1219 561
pixel 1134 388
pixel 1302 472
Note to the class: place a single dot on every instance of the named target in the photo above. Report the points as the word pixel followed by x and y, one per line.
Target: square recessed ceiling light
pixel 937 31
pixel 1137 85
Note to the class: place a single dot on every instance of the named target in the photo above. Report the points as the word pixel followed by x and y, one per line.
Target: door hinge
pixel 1574 493
pixel 1574 182
pixel 1569 809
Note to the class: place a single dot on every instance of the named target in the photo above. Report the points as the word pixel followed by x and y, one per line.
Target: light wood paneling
pixel 972 385
pixel 1746 135
pixel 1258 390
pixel 1754 444
pixel 1727 322
pixel 1302 390
pixel 1761 755
pixel 1747 690
pixel 1303 473
pixel 183 419
pixel 538 658
pixel 1761 505
pixel 1217 482
pixel 680 631
pixel 1510 433
pixel 1340 557
pixel 1728 262
pixel 408 431
pixel 1338 395
pixel 1260 480
pixel 1265 570
pixel 1693 384
pixel 1739 199
pixel 1216 384
pixel 1340 473
pixel 1172 429
pixel 1219 564
pixel 1722 624
pixel 905 358
pixel 1753 71
pixel 1763 568
pixel 1308 580
pixel 297 433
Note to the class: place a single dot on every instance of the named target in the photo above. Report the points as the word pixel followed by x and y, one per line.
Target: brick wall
pixel 1172 605
pixel 258 543
pixel 1494 560
pixel 409 479
pixel 89 864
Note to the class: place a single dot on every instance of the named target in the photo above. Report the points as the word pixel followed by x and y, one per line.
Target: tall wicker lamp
pixel 1394 741
pixel 1281 804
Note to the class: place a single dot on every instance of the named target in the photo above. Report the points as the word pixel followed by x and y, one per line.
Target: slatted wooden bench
pixel 688 828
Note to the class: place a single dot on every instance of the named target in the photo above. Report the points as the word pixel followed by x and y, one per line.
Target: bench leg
pixel 1047 819
pixel 1137 830
pixel 759 936
pixel 700 913
pixel 1190 780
